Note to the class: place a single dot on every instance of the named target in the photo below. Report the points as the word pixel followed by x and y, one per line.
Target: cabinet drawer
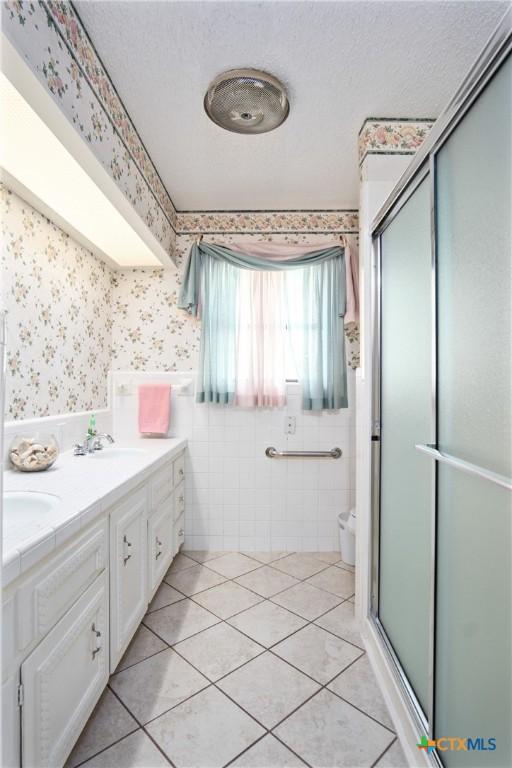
pixel 179 533
pixel 63 679
pixel 161 486
pixel 160 543
pixel 179 469
pixel 53 588
pixel 179 500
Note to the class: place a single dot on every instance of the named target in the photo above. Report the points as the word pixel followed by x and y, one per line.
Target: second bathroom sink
pixel 27 512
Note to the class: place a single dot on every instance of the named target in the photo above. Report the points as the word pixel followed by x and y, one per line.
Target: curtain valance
pixel 264 257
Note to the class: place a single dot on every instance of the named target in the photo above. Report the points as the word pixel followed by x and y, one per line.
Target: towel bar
pixel 273 453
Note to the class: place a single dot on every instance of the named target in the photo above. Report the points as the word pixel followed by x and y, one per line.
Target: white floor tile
pixel 179 621
pixel 155 685
pixel 109 722
pixel 317 653
pixel 267 623
pixel 327 731
pixel 144 643
pixel 135 751
pixel 336 580
pixel 195 579
pixel 268 753
pixel 266 581
pixel 227 599
pixel 218 650
pixel 306 600
pixel 268 688
pixel 358 686
pixel 207 731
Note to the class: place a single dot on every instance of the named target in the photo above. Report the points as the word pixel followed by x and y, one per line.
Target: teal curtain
pixel 322 370
pixel 209 289
pixel 217 357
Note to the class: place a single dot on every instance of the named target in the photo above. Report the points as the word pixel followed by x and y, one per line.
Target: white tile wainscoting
pixel 237 498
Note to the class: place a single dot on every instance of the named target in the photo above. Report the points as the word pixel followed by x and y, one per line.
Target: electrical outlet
pixel 291 424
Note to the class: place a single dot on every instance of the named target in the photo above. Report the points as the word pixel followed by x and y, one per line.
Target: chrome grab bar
pixel 464 466
pixel 273 453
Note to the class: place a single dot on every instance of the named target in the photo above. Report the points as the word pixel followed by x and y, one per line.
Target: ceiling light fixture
pixel 246 101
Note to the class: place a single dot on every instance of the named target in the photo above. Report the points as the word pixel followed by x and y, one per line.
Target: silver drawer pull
pixel 127 545
pixel 96 634
pixel 181 499
pixel 181 532
pixel 158 547
pixel 180 472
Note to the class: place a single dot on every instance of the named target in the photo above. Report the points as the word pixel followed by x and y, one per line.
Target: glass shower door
pixel 473 680
pixel 442 431
pixel 406 417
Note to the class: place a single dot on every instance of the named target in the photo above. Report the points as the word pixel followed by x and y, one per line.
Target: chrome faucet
pixel 92 443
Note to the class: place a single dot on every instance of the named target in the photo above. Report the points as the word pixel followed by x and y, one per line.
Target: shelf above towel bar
pixel 273 453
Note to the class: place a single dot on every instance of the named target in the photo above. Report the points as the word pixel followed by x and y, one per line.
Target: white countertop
pixel 87 486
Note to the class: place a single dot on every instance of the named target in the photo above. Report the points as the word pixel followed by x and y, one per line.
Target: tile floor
pixel 249 660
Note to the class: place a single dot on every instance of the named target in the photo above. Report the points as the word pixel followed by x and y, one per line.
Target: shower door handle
pixel 464 466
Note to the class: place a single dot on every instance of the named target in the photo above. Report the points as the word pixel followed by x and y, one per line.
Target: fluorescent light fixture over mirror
pixel 36 162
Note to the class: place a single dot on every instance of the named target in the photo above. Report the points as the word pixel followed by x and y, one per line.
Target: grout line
pixel 383 753
pixel 171 645
pixel 142 725
pixel 362 711
pixel 280 740
pixel 121 738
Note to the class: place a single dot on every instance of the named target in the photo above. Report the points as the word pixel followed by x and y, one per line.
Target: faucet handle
pixel 79 450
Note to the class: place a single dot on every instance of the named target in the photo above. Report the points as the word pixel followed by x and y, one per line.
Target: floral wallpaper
pixel 59 297
pixel 385 136
pixel 151 333
pixel 50 38
pixel 71 318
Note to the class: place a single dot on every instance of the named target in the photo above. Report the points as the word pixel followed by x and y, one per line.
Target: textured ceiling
pixel 340 61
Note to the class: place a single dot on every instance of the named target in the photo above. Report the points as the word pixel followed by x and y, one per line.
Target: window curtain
pixel 213 287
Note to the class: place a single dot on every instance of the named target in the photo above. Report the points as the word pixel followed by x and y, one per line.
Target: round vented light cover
pixel 246 101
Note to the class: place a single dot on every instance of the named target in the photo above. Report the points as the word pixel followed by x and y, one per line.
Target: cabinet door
pixel 128 571
pixel 160 543
pixel 63 678
pixel 11 727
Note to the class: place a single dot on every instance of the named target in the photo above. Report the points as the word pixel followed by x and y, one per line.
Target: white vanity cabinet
pixel 128 570
pixel 67 620
pixel 63 678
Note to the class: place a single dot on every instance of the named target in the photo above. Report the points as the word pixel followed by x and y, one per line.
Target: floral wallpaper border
pixel 51 39
pixel 192 222
pixel 391 136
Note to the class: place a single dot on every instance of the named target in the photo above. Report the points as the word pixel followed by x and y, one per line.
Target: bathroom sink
pixel 27 512
pixel 117 453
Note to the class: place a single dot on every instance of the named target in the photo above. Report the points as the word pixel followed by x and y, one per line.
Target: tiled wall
pixel 58 297
pixel 237 498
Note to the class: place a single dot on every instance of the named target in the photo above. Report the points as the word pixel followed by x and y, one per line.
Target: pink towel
pixel 154 408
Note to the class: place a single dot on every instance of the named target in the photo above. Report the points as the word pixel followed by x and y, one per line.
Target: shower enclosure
pixel 441 436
